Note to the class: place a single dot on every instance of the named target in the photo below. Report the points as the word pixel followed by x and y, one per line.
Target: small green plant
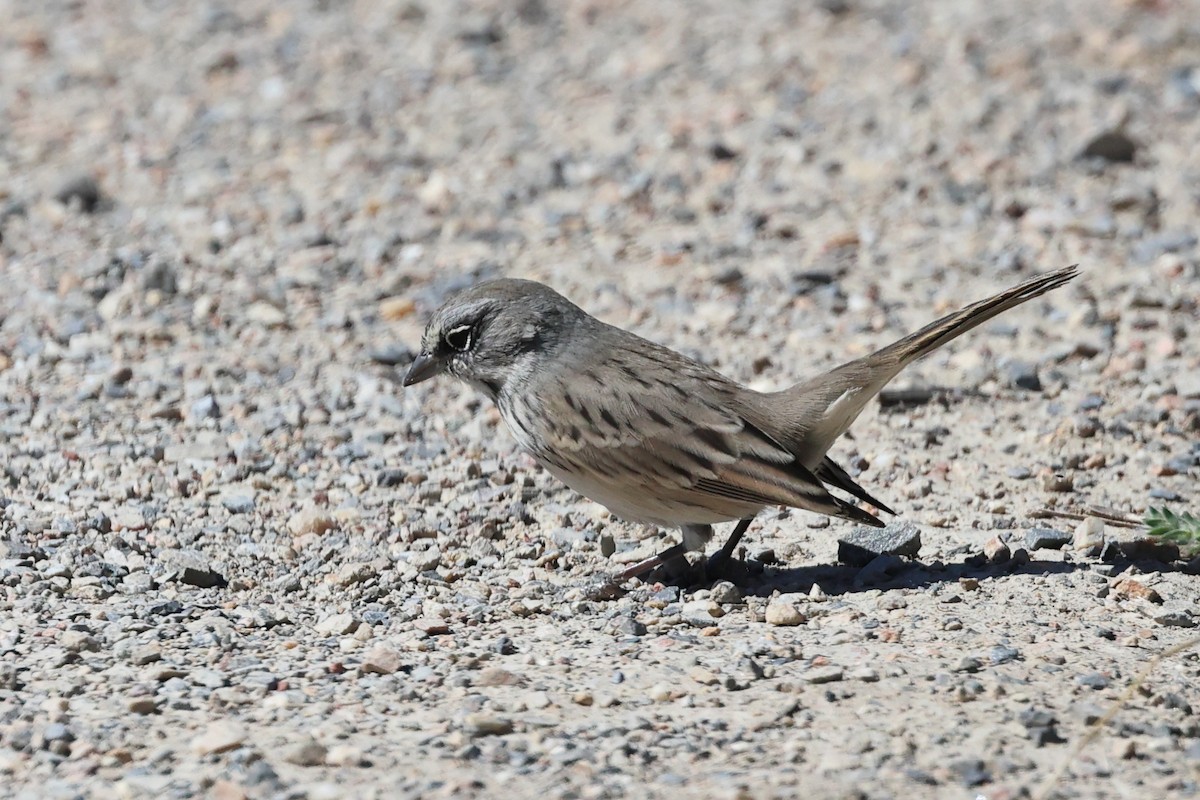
pixel 1182 529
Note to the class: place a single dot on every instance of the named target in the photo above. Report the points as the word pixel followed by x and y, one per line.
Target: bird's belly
pixel 647 505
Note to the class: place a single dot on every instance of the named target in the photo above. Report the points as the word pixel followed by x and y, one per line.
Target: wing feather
pixel 676 435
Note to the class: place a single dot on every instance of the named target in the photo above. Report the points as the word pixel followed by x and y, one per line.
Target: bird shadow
pixel 756 580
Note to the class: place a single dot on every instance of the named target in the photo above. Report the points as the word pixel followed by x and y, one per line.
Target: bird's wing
pixel 830 473
pixel 651 421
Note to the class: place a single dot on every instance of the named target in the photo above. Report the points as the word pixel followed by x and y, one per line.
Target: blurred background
pixel 307 163
pixel 237 217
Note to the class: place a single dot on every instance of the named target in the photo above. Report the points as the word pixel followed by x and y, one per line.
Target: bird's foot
pixel 721 565
pixel 679 571
pixel 606 589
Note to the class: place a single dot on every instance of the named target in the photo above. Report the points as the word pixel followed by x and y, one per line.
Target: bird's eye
pixel 460 339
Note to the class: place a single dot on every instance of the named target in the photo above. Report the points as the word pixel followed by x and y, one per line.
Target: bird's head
pixel 493 333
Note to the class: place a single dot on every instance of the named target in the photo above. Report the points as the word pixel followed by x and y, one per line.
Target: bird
pixel 660 438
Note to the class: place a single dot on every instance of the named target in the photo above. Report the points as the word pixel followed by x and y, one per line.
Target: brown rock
pixel 219 737
pixel 1129 589
pixel 997 551
pixel 394 308
pixel 227 790
pixel 382 660
pixel 433 627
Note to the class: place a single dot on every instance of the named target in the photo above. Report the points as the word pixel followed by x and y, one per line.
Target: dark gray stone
pixel 862 545
pixel 1093 680
pixel 82 190
pixel 1023 375
pixel 1113 146
pixel 192 567
pixel 1002 654
pixel 238 504
pixel 1046 539
pixel 971 771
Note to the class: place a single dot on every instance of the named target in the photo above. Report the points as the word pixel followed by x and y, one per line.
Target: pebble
pixel 996 551
pixel 1046 539
pixel 379 660
pixel 146 654
pixel 970 772
pixel 969 664
pixel 784 613
pixel 219 737
pixel 725 593
pixel 1113 146
pixel 337 624
pixel 1174 616
pixel 1093 680
pixel 1130 589
pixel 191 567
pixel 1003 654
pixel 79 641
pixel 859 547
pixel 238 503
pixel 266 315
pixel 82 191
pixel 504 645
pixel 608 545
pixel 864 674
pixel 344 755
pixel 497 676
pixel 1023 375
pixel 309 753
pixel 311 520
pixel 211 678
pixel 1041 726
pixel 826 674
pixel 701 613
pixel 1089 534
pixel 204 408
pixel 627 626
pixel 482 724
pixel 143 705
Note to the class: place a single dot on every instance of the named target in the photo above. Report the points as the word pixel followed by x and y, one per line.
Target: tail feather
pixel 951 326
pixel 824 407
pixel 829 472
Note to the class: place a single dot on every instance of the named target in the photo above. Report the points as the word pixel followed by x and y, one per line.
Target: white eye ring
pixel 460 338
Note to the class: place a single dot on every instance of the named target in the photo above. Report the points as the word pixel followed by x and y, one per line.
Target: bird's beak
pixel 423 368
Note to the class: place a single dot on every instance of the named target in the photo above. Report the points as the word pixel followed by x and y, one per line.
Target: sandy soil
pixel 237 560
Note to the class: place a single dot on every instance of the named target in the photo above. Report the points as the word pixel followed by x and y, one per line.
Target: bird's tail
pixel 829 403
pixel 951 326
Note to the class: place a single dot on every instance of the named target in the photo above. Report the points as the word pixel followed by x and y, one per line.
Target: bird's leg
pixel 694 538
pixel 646 565
pixel 719 558
pixel 610 587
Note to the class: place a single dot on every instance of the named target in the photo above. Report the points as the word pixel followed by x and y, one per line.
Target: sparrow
pixel 661 438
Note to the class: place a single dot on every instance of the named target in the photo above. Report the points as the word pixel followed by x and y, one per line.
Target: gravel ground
pixel 236 560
